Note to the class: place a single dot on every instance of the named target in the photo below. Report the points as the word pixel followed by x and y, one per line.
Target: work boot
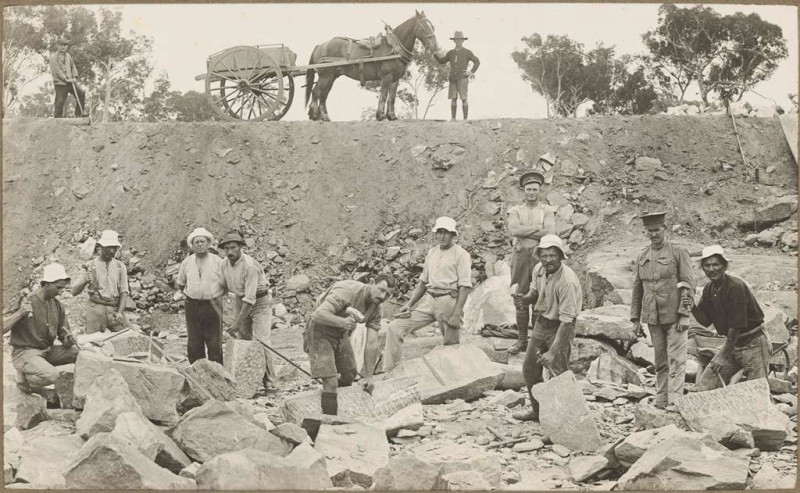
pixel 519 346
pixel 330 403
pixel 526 415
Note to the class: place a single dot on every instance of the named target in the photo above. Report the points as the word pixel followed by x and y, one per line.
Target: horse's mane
pixel 403 28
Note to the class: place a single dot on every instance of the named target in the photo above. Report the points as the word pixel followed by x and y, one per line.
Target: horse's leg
pixel 313 108
pixel 323 97
pixel 390 103
pixel 386 81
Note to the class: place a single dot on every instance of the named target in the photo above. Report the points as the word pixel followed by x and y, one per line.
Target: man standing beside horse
pixel 459 59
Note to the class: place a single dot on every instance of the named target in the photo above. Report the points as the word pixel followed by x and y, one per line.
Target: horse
pixel 388 72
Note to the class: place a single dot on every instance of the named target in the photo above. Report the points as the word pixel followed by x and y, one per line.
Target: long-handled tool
pixel 78 102
pixel 288 360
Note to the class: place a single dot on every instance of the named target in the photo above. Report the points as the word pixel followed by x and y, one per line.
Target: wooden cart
pixel 256 83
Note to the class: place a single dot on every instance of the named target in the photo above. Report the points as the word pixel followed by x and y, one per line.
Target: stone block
pixel 251 469
pixel 42 460
pixel 405 472
pixel 108 462
pixel 450 372
pixel 89 366
pixel 64 385
pixel 353 452
pixel 610 322
pixel 728 412
pixel 31 409
pixel 106 398
pixel 612 368
pixel 205 380
pixel 586 467
pixel 156 389
pixel 564 414
pixel 247 363
pixel 214 428
pixel 138 432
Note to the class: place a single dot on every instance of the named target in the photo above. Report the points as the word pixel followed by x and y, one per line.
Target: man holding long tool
pixel 327 337
pixel 65 76
pixel 243 276
pixel 200 278
pixel 34 328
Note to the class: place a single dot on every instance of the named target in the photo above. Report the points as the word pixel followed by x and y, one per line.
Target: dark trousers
pixel 62 91
pixel 542 338
pixel 204 329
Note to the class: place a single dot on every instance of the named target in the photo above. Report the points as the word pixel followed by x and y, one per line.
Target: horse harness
pixel 376 42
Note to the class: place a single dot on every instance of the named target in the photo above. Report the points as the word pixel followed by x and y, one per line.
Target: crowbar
pixel 288 360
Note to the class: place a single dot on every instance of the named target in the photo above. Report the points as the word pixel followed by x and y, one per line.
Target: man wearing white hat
pixel 459 59
pixel 34 328
pixel 443 288
pixel 200 279
pixel 556 294
pixel 107 279
pixel 729 304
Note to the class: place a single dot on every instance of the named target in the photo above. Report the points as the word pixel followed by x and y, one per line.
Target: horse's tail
pixel 310 75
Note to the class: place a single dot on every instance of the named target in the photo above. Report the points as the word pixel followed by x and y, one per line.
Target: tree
pixel 553 69
pixel 122 64
pixel 727 55
pixel 191 106
pixel 38 104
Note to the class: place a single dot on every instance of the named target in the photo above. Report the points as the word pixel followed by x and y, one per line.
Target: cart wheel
pixel 245 83
pixel 780 364
pixel 268 88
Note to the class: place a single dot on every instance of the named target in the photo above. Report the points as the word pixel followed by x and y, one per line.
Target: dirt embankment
pixel 321 199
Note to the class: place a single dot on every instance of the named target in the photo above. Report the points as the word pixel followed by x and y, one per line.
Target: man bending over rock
pixel 556 295
pixel 327 338
pixel 729 304
pixel 34 328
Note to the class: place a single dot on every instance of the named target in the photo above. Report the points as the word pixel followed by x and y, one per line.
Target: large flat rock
pixel 42 460
pixel 106 399
pixel 88 367
pixel 206 380
pixel 214 428
pixel 612 368
pixel 610 322
pixel 454 457
pixel 406 472
pixel 684 463
pixel 108 462
pixel 393 405
pixel 564 414
pixel 741 409
pixel 490 303
pixel 251 469
pixel 353 452
pixel 156 389
pixel 633 447
pixel 450 372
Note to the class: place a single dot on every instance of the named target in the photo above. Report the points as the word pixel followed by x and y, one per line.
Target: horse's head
pixel 423 31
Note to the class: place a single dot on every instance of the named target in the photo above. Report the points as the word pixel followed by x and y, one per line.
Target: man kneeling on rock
pixel 728 303
pixel 327 338
pixel 556 295
pixel 443 287
pixel 34 328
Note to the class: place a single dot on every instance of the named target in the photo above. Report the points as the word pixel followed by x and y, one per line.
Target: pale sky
pixel 184 36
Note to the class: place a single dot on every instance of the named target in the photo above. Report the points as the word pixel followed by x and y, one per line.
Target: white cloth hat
pixel 54 272
pixel 713 250
pixel 109 238
pixel 199 232
pixel 549 241
pixel 447 223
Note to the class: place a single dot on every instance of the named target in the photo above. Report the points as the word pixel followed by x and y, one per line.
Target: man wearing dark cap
pixel 729 304
pixel 243 276
pixel 459 59
pixel 527 223
pixel 65 77
pixel 662 278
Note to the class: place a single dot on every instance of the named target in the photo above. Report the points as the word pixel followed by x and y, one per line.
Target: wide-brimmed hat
pixel 531 176
pixel 458 35
pixel 54 272
pixel 446 223
pixel 231 236
pixel 712 250
pixel 550 241
pixel 109 238
pixel 199 232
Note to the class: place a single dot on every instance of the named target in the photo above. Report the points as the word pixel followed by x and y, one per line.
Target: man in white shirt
pixel 443 288
pixel 200 279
